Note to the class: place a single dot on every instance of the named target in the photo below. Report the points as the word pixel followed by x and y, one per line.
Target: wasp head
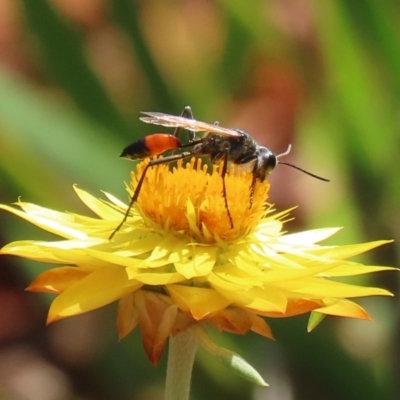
pixel 266 162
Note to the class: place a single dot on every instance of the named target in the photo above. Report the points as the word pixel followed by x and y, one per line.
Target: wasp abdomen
pixel 151 145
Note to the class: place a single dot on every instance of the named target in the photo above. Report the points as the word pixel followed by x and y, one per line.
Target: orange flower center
pixel 189 199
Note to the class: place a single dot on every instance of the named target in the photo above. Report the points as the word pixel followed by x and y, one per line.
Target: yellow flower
pixel 177 261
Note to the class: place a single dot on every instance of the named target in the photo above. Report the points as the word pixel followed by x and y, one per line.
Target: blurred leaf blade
pixel 356 90
pixel 126 15
pixel 63 53
pixel 243 30
pixel 380 26
pixel 57 139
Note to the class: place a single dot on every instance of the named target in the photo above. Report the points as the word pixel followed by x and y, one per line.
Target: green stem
pixel 182 350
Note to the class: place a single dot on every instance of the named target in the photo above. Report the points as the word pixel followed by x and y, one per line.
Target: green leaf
pixel 315 319
pixel 228 358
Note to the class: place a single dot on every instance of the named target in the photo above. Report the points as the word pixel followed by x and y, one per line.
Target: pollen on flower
pixel 189 198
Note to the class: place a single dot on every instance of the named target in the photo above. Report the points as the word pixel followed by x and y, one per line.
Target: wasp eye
pixel 269 161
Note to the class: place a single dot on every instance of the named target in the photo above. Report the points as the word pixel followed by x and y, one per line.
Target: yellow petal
pixel 241 278
pixel 320 288
pixel 45 220
pixel 115 201
pixel 201 262
pixel 155 279
pixel 114 258
pixel 165 247
pixel 295 307
pixel 51 252
pixel 57 280
pixel 308 237
pixel 101 287
pixel 266 298
pixel 344 308
pixel 352 269
pixel 347 251
pixel 139 243
pixel 101 209
pixel 282 275
pixel 200 302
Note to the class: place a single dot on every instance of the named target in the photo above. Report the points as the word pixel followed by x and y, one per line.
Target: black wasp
pixel 219 144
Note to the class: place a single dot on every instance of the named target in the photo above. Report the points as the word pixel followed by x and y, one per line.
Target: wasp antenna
pixel 285 153
pixel 306 172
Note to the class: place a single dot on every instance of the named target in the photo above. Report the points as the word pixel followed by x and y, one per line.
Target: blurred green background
pixel 322 75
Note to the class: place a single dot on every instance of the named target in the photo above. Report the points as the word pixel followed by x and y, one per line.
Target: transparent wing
pixel 162 119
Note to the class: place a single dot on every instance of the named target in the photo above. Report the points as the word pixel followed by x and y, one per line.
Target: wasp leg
pixel 253 181
pixel 223 173
pixel 152 163
pixel 255 171
pixel 186 113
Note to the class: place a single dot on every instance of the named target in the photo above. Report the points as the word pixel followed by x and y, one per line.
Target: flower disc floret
pixel 189 199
